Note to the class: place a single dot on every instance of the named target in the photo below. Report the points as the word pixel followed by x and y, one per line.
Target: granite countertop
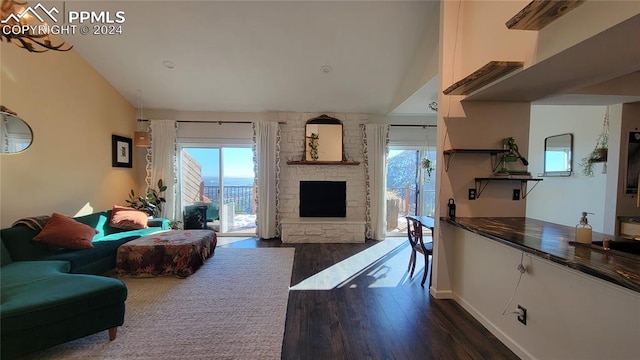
pixel 556 243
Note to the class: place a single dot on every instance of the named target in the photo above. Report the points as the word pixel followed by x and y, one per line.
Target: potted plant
pixel 599 153
pixel 151 203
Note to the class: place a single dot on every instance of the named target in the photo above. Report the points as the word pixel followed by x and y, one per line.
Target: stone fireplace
pixel 322 229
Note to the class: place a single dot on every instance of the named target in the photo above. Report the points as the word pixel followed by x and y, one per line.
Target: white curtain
pixel 161 163
pixel 376 138
pixel 266 146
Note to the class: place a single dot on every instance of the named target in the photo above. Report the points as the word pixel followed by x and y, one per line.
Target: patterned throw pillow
pixel 67 233
pixel 127 218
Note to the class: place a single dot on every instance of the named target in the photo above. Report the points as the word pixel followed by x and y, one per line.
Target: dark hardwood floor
pixel 359 320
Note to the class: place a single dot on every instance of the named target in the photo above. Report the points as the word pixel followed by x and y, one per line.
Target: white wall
pixel 570 315
pixel 561 199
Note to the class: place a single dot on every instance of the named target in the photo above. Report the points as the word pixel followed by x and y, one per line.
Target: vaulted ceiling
pixel 309 56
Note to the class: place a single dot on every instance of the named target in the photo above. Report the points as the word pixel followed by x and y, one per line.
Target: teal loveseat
pixel 97 260
pixel 48 297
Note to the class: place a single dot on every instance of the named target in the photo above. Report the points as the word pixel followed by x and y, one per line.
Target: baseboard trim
pixel 441 294
pixel 504 338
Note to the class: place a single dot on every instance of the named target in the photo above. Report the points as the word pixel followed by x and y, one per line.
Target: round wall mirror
pixel 15 134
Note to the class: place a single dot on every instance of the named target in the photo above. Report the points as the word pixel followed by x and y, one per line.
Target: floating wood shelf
pixel 303 162
pixel 540 13
pixel 487 74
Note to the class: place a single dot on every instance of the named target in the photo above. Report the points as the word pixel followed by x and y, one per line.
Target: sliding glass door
pixel 217 190
pixel 410 186
pixel 238 191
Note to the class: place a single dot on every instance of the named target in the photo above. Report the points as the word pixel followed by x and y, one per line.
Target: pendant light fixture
pixel 140 136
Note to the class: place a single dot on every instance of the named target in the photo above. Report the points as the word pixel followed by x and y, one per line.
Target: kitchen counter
pixel 556 243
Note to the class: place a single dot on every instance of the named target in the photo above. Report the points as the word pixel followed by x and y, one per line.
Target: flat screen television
pixel 323 198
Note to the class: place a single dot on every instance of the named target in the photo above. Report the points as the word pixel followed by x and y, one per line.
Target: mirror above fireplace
pixel 323 139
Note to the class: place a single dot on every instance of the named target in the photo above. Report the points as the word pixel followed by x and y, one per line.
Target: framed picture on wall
pixel 121 151
pixel 633 163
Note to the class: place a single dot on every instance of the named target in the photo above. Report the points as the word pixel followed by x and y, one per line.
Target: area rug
pixel 233 307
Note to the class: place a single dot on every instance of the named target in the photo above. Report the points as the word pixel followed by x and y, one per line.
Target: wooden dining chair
pixel 414 232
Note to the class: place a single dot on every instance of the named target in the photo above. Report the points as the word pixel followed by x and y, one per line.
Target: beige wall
pixel 469 33
pixel 73 112
pixel 469 30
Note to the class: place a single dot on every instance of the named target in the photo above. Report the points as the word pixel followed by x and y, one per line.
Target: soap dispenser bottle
pixel 583 230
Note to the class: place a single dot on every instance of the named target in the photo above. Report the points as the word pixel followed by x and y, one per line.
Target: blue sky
pixel 238 162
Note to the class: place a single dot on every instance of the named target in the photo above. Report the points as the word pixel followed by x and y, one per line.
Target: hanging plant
pixel 427 164
pixel 600 152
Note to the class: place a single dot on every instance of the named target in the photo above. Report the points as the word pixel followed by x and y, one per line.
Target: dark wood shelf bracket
pixel 481 184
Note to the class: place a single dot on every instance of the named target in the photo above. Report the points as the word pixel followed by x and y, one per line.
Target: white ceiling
pixel 261 56
pixel 267 56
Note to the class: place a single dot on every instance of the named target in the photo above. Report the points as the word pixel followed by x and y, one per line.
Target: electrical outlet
pixel 472 194
pixel 516 194
pixel 522 314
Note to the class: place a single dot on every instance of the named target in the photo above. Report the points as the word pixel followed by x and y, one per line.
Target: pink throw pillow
pixel 127 218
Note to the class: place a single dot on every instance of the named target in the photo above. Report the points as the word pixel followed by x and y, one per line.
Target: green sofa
pixel 97 260
pixel 49 297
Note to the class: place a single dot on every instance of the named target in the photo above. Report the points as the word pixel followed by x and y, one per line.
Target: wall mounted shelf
pixel 540 13
pixel 482 182
pixel 450 154
pixel 304 162
pixel 487 74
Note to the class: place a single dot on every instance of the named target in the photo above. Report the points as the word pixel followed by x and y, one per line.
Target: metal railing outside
pixel 407 195
pixel 241 196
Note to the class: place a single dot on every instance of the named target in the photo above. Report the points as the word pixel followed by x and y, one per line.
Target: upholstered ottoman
pixel 176 252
